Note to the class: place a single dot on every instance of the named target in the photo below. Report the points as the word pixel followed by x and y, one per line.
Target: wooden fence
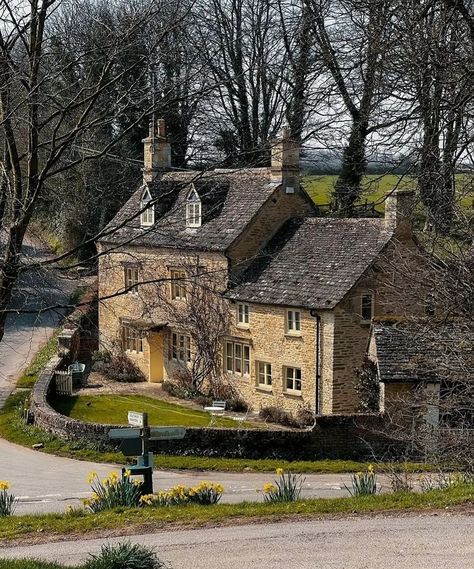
pixel 63 382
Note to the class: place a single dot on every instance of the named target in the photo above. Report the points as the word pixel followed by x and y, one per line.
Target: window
pixel 237 358
pixel 243 313
pixel 293 379
pixel 293 322
pixel 132 339
pixel 180 347
pixel 367 307
pixel 264 374
pixel 193 209
pixel 147 217
pixel 131 279
pixel 178 290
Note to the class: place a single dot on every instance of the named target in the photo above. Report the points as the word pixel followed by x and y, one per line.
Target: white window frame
pixel 178 288
pixel 362 296
pixel 294 376
pixel 193 209
pixel 180 347
pixel 264 375
pixel 147 216
pixel 237 358
pixel 132 339
pixel 243 315
pixel 131 279
pixel 293 322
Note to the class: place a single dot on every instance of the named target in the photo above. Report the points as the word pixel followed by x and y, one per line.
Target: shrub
pixel 7 500
pixel 304 416
pixel 364 483
pixel 367 386
pixel 121 368
pixel 205 493
pixel 287 488
pixel 112 492
pixel 125 556
pixel 273 414
pixel 237 404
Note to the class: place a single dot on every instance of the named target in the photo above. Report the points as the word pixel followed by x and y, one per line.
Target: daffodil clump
pixel 364 483
pixel 7 500
pixel 204 493
pixel 113 491
pixel 287 488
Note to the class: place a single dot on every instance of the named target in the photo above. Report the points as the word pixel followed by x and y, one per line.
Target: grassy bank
pixel 30 375
pixel 131 521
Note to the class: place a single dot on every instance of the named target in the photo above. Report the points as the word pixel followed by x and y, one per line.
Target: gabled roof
pixel 407 353
pixel 230 199
pixel 313 262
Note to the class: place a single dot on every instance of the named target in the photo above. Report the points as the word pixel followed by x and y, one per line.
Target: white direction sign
pixel 135 419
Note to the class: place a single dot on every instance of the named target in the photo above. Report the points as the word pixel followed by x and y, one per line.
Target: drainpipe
pixel 314 314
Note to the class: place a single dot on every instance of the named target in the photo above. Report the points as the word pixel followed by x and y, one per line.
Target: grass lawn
pixel 29 564
pixel 113 409
pixel 169 517
pixel 43 355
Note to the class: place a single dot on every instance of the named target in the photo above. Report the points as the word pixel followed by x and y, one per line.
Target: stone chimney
pixel 399 209
pixel 156 151
pixel 286 161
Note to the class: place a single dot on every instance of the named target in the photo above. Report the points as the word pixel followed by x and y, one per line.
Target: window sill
pixel 243 326
pixel 293 335
pixel 264 388
pixel 293 393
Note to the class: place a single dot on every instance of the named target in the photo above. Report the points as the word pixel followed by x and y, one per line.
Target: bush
pixel 287 488
pixel 112 492
pixel 274 414
pixel 364 483
pixel 237 404
pixel 304 416
pixel 205 493
pixel 125 556
pixel 120 368
pixel 368 387
pixel 7 500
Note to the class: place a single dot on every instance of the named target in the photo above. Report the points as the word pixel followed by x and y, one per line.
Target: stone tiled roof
pixel 230 199
pixel 313 262
pixel 406 353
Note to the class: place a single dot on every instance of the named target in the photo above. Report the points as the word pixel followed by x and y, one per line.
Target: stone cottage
pixel 300 290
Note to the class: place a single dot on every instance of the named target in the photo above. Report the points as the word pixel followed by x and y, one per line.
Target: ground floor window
pixel 132 339
pixel 264 374
pixel 237 358
pixel 293 379
pixel 180 347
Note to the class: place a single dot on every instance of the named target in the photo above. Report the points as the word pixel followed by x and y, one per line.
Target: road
pixel 25 333
pixel 414 542
pixel 58 482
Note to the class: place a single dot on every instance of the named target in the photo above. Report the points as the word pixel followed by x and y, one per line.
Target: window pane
pixel 246 360
pixel 367 307
pixel 238 358
pixel 229 356
pixel 297 320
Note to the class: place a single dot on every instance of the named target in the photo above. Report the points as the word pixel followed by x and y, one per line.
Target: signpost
pixel 135 441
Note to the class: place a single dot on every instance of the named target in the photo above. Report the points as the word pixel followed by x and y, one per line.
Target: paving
pixel 414 542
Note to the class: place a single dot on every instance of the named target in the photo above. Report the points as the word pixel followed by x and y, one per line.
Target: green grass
pixel 29 564
pixel 43 355
pixel 113 409
pixel 141 519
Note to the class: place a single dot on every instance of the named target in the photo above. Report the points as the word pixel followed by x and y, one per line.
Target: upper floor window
pixel 178 289
pixel 147 217
pixel 293 322
pixel 131 279
pixel 237 358
pixel 367 308
pixel 132 339
pixel 193 209
pixel 243 314
pixel 180 347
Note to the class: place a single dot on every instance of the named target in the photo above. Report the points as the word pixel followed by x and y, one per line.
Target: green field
pixel 114 408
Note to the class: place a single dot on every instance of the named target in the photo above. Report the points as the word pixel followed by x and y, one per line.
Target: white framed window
pixel 293 322
pixel 243 315
pixel 131 276
pixel 178 288
pixel 237 358
pixel 367 308
pixel 193 209
pixel 132 339
pixel 147 216
pixel 264 374
pixel 180 347
pixel 292 379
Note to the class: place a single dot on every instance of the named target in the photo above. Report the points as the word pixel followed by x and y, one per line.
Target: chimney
pixel 156 151
pixel 399 209
pixel 286 161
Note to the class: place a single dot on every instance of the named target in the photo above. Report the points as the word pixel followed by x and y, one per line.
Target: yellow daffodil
pixel 280 471
pixel 370 468
pixel 4 485
pixel 127 473
pixel 269 487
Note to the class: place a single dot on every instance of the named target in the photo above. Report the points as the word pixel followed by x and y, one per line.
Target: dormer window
pixel 193 209
pixel 147 216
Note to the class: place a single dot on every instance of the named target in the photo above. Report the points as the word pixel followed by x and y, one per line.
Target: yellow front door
pixel 155 344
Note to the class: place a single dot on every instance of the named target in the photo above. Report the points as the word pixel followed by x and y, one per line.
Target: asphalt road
pixel 409 542
pixel 25 333
pixel 46 483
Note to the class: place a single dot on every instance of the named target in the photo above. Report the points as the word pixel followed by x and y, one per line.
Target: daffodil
pixel 280 471
pixel 269 487
pixel 4 485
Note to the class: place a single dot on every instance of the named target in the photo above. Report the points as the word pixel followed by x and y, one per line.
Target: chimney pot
pixel 399 206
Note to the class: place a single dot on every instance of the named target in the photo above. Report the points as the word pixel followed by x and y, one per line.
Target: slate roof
pixel 313 262
pixel 407 354
pixel 230 199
